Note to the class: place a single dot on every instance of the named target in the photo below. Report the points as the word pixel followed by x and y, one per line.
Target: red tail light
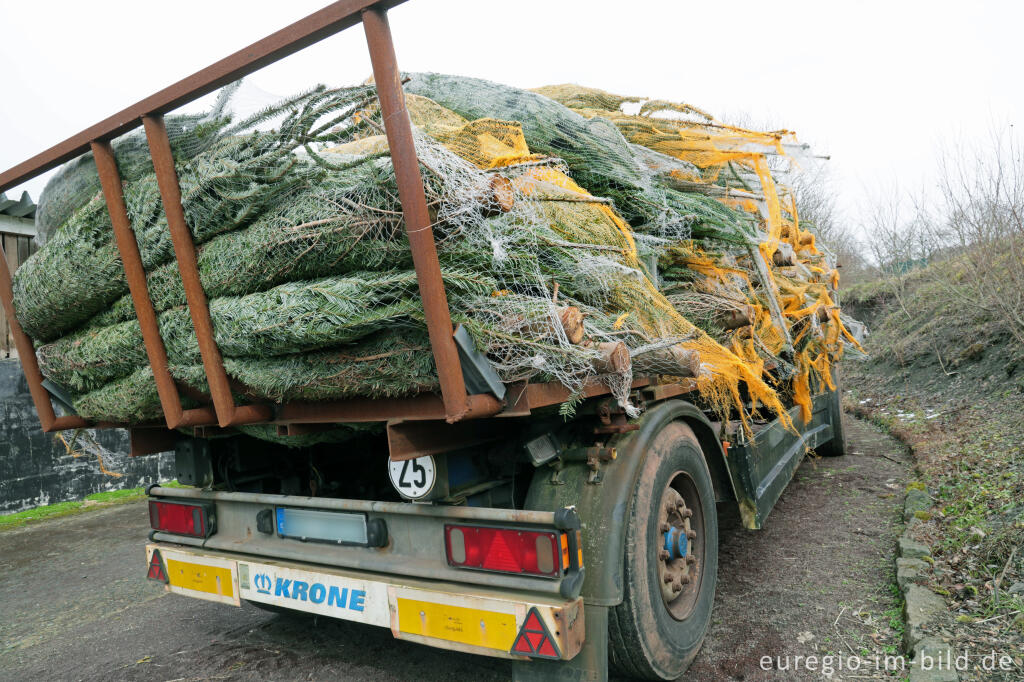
pixel 195 520
pixel 506 550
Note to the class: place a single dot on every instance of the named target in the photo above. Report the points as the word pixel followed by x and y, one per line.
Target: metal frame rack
pixel 453 405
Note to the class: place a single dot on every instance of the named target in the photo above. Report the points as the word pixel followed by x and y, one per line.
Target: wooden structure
pixel 17 239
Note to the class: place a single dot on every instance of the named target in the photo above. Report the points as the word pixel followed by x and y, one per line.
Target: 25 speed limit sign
pixel 413 478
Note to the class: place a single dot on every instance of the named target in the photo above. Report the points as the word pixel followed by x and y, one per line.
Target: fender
pixel 604 506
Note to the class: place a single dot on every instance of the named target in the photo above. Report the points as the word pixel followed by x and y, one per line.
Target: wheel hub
pixel 677 567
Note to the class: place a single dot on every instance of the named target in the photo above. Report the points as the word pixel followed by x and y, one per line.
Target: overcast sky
pixel 878 86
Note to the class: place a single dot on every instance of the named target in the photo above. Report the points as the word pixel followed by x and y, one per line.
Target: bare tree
pixel 982 194
pixel 900 236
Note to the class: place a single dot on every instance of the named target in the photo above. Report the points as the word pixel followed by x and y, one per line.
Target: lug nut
pixel 686 513
pixel 691 534
pixel 677 587
pixel 665 527
pixel 667 579
pixel 663 554
pixel 691 560
pixel 685 579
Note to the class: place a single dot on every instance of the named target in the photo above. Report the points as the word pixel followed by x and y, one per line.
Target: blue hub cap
pixel 675 543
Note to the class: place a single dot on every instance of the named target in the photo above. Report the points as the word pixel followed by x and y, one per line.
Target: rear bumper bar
pixel 415 537
pixel 473 620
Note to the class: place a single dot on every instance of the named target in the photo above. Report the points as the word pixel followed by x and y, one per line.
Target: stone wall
pixel 36 468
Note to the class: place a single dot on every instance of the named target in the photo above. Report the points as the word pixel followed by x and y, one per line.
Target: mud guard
pixel 603 503
pixel 763 467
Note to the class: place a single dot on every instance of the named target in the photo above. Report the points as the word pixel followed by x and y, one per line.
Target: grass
pixel 967 464
pixel 59 509
pixel 949 384
pixel 894 615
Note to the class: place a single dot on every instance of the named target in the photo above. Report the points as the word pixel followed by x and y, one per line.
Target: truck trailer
pixel 485 520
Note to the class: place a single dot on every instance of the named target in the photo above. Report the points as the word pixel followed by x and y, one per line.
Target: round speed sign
pixel 413 478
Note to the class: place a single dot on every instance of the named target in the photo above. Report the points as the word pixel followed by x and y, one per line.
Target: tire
pixel 654 633
pixel 837 446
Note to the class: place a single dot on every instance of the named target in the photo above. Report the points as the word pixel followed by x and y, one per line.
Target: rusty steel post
pixel 48 419
pixel 135 274
pixel 414 208
pixel 185 253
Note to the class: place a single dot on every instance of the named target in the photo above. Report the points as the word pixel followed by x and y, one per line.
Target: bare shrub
pixel 900 234
pixel 982 223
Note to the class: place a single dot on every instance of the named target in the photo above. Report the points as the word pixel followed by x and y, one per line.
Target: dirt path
pixel 818 580
pixel 74 604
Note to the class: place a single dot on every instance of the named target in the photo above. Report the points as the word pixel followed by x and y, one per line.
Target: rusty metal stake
pixel 455 402
pixel 29 364
pixel 228 414
pixel 135 273
pixel 414 208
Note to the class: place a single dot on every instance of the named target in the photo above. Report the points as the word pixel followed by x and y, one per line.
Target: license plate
pixel 206 578
pixel 452 622
pixel 321 526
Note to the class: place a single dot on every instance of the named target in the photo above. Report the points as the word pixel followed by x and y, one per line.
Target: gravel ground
pixel 75 605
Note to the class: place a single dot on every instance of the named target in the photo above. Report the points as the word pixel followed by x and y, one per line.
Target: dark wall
pixel 36 468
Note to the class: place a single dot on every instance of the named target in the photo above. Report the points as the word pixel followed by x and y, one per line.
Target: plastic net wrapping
pixel 77 182
pixel 238 177
pixel 576 243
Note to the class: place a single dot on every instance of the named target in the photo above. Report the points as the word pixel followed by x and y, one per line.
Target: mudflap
pixel 590 664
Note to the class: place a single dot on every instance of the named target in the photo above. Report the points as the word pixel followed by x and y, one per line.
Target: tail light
pixel 195 520
pixel 506 550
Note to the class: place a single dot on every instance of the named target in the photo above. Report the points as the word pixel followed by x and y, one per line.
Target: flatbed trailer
pixel 482 524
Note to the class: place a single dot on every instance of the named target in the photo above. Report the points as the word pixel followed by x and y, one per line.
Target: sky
pixel 879 87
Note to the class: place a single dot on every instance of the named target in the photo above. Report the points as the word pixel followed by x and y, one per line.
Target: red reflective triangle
pixel 534 639
pixel 532 622
pixel 522 645
pixel 156 568
pixel 500 557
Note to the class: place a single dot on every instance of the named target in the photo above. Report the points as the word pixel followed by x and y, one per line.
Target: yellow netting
pixel 486 142
pixel 811 319
pixel 578 217
pixel 598 223
pixel 579 97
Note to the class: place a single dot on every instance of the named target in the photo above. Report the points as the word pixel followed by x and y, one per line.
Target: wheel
pixel 837 446
pixel 670 561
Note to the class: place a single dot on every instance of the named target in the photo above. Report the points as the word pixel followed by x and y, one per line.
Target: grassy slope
pixel 951 385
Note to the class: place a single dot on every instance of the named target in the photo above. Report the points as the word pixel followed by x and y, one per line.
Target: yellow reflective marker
pixel 209 579
pixel 477 627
